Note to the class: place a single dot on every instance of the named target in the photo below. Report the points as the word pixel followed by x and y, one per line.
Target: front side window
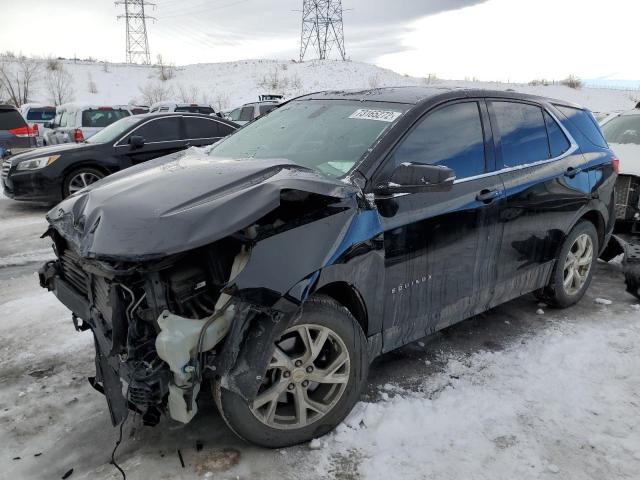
pixel 523 134
pixel 329 136
pixel 623 129
pixel 264 109
pixel 451 136
pixel 235 114
pixel 114 131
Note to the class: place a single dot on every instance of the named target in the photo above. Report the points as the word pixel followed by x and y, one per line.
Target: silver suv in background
pixel 172 106
pixel 76 122
pixel 250 111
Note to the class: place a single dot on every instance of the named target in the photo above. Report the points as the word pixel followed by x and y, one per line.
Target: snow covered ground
pixel 227 85
pixel 508 394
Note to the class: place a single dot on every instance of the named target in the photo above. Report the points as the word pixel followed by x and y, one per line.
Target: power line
pixel 136 27
pixel 322 28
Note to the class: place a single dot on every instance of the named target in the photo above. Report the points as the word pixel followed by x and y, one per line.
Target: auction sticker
pixel 371 114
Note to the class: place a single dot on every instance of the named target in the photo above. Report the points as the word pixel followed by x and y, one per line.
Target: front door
pixel 162 136
pixel 441 247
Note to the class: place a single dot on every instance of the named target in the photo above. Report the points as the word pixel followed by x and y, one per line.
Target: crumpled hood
pixel 178 203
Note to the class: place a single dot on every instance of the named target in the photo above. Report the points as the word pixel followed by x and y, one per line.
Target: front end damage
pixel 165 323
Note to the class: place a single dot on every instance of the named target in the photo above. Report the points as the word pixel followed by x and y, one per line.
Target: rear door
pixel 201 131
pixel 541 167
pixel 441 247
pixel 162 136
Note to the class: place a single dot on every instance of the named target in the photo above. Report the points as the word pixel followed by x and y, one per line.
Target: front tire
pixel 574 267
pixel 317 370
pixel 79 179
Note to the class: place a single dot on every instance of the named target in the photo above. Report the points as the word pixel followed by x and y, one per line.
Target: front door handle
pixel 488 196
pixel 572 171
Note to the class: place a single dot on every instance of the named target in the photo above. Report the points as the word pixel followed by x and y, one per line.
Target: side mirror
pixel 136 141
pixel 48 125
pixel 416 178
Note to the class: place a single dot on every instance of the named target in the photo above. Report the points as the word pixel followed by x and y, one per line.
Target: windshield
pixel 115 130
pixel 624 129
pixel 328 136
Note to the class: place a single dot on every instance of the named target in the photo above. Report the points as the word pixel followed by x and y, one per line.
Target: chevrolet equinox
pixel 338 227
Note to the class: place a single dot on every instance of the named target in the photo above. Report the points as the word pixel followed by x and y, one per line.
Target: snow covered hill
pixel 227 85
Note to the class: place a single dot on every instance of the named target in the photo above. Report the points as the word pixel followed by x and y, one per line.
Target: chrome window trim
pixel 118 144
pixel 573 147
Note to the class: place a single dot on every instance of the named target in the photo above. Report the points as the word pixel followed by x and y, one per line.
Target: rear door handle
pixel 488 196
pixel 572 171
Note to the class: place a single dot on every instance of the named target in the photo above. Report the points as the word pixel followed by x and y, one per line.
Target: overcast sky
pixel 514 40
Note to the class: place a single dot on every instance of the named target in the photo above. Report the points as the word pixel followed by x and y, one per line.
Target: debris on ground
pixel 217 461
pixel 603 301
pixel 540 311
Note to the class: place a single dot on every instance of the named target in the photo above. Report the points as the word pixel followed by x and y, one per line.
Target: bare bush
pixel 539 82
pixel 91 85
pixel 167 71
pixel 572 82
pixel 374 81
pixel 52 63
pixel 18 76
pixel 190 94
pixel 105 66
pixel 59 85
pixel 221 101
pixel 155 92
pixel 274 81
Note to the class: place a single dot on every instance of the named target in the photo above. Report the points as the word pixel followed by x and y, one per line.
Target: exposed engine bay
pixel 159 325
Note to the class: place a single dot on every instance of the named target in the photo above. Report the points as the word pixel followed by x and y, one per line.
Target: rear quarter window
pixel 584 121
pixel 10 119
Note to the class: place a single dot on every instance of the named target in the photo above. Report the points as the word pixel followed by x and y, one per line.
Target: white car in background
pixel 622 132
pixel 172 106
pixel 75 122
pixel 40 115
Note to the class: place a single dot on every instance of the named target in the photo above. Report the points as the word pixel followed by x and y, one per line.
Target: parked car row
pixel 51 173
pixel 339 227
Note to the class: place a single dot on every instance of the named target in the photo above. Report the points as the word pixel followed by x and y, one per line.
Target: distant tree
pixel 59 85
pixel 190 94
pixel 18 76
pixel 155 92
pixel 167 71
pixel 91 85
pixel 572 82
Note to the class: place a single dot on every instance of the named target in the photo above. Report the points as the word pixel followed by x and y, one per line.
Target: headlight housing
pixel 37 163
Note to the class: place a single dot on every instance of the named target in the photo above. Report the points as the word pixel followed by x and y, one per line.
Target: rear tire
pixel 291 407
pixel 574 267
pixel 80 178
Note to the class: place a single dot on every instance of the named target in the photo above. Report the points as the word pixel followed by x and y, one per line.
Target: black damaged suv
pixel 338 227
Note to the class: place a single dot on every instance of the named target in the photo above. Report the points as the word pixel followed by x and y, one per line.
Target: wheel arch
pixel 596 218
pixel 349 297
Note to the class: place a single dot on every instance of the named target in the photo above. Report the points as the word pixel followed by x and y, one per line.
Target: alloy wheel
pixel 577 264
pixel 81 180
pixel 306 377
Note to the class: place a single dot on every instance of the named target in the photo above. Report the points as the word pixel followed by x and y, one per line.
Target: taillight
pixel 78 137
pixel 34 130
pixel 20 131
pixel 615 163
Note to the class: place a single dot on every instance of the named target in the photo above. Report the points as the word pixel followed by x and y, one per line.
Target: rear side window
pixel 586 123
pixel 160 130
pixel 450 136
pixel 246 114
pixel 201 128
pixel 558 142
pixel 102 118
pixel 10 119
pixel 523 134
pixel 41 114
